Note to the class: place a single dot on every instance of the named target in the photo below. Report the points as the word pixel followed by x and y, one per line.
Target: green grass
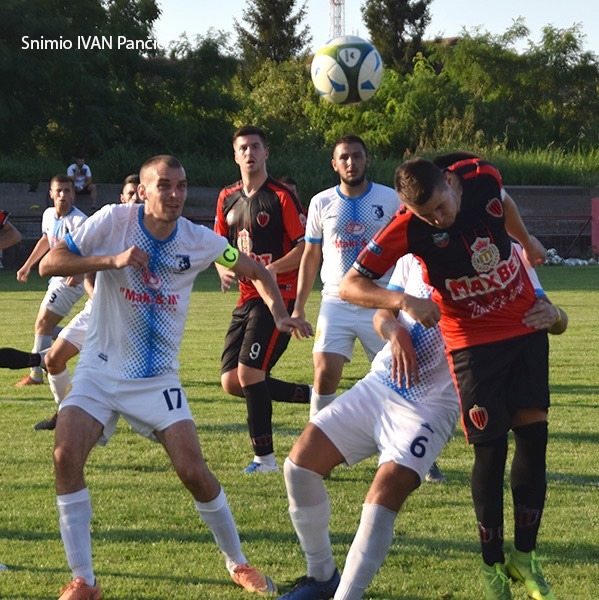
pixel 149 543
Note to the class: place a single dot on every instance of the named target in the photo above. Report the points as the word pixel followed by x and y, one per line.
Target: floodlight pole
pixel 336 18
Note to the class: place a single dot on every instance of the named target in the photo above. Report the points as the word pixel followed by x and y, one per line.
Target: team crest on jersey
pixel 230 218
pixel 495 208
pixel 263 218
pixel 244 241
pixel 379 213
pixel 441 239
pixel 182 263
pixel 151 280
pixel 479 416
pixel 355 228
pixel 485 255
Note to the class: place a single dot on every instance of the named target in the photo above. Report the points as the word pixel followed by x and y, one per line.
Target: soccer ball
pixel 347 69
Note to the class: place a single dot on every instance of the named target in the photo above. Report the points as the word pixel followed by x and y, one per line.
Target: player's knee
pixel 230 384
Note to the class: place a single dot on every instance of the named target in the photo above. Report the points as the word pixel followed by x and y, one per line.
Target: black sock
pixel 282 391
pixel 11 358
pixel 529 483
pixel 487 495
pixel 259 409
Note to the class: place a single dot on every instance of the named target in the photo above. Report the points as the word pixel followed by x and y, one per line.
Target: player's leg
pixel 334 342
pixel 312 457
pixel 528 475
pixel 410 436
pixel 261 347
pixel 76 433
pixel 328 368
pixel 181 442
pixel 45 322
pixel 59 378
pixel 280 391
pixel 57 303
pixel 392 484
pixel 11 358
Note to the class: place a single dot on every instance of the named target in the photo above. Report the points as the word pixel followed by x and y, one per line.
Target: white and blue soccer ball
pixel 346 70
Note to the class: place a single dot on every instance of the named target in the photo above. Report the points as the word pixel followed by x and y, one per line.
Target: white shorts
pixel 75 331
pixel 148 404
pixel 371 418
pixel 60 297
pixel 340 323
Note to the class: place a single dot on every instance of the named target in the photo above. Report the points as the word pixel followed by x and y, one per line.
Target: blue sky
pixel 448 17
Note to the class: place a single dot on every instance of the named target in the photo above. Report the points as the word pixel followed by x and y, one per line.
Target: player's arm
pixel 41 248
pixel 309 265
pixel 62 260
pixel 403 356
pixel 533 249
pixel 89 281
pixel 359 289
pixel 289 262
pixel 9 235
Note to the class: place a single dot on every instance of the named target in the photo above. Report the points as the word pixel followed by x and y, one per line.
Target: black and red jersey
pixel 478 279
pixel 265 226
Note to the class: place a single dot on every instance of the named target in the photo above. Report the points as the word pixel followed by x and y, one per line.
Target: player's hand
pixel 534 251
pixel 23 274
pixel 227 279
pixel 298 313
pixel 423 310
pixel 542 315
pixel 298 327
pixel 133 257
pixel 404 366
pixel 74 280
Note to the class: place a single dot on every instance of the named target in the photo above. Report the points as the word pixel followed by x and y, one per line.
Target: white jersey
pixel 56 228
pixel 344 226
pixel 80 174
pixel 433 369
pixel 138 317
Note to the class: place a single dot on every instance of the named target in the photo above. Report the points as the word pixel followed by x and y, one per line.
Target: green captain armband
pixel 229 257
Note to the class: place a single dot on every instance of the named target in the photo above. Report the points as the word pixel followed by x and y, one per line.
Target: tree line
pixel 475 91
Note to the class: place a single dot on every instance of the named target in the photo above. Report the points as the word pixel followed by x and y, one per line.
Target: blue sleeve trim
pixel 395 288
pixel 71 244
pixel 314 240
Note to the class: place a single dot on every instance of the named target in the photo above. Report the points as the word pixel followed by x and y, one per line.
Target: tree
pixel 396 28
pixel 274 32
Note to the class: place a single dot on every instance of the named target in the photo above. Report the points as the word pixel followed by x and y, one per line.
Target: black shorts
pixel 495 380
pixel 252 338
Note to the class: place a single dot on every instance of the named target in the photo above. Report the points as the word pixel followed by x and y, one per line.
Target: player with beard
pixel 341 221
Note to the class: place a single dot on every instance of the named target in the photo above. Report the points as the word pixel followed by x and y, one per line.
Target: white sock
pixel 217 516
pixel 40 342
pixel 310 512
pixel 59 385
pixel 268 460
pixel 75 515
pixel 368 551
pixel 319 401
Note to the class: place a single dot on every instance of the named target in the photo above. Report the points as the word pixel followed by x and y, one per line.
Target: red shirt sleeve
pixel 388 245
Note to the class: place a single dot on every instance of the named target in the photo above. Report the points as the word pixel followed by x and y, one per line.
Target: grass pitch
pixel 149 543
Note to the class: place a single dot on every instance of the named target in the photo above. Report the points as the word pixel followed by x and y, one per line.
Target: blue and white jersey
pixel 344 226
pixel 138 317
pixel 433 369
pixel 56 228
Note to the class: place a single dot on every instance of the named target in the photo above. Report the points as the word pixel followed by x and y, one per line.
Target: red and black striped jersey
pixel 265 226
pixel 478 279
